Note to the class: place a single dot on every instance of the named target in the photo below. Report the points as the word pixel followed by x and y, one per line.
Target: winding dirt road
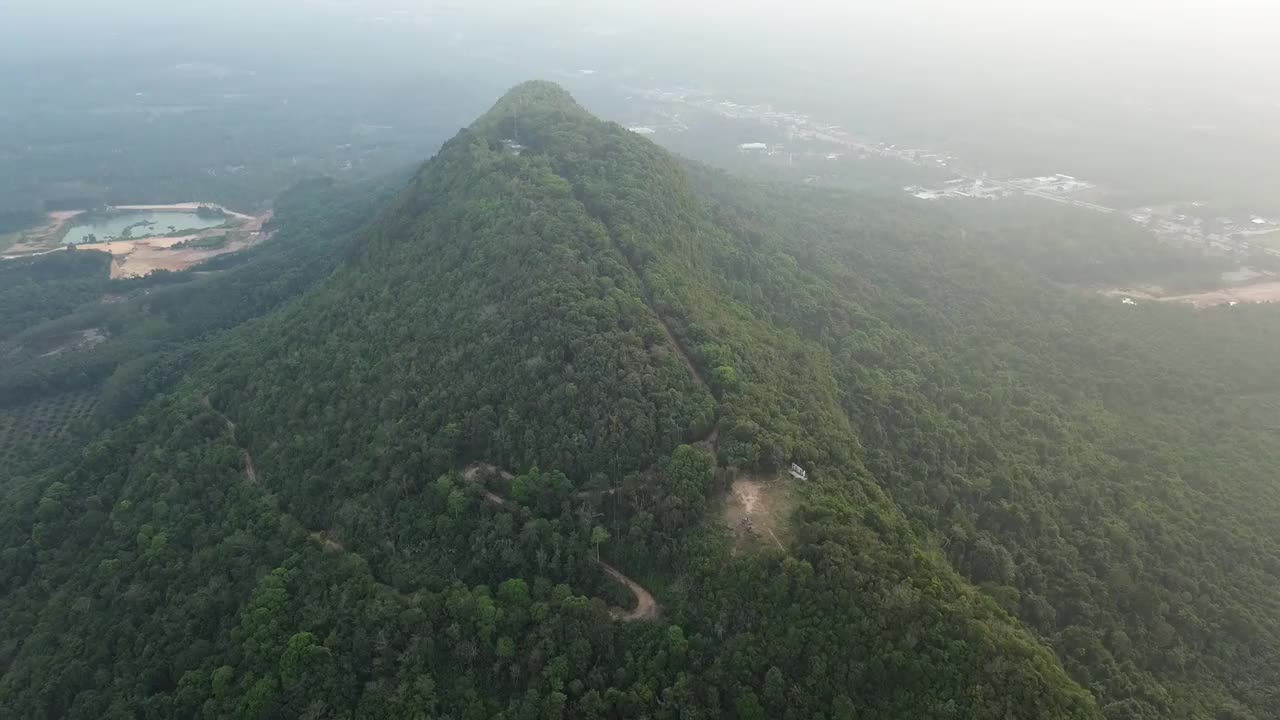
pixel 646 608
pixel 246 458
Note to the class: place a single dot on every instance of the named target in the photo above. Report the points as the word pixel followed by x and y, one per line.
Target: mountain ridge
pixel 579 306
pixel 571 161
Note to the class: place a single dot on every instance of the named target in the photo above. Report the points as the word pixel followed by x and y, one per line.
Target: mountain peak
pixel 536 97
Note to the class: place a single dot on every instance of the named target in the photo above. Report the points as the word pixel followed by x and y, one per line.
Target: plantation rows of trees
pixel 32 431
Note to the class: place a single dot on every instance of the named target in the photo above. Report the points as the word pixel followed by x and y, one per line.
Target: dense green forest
pixel 1019 500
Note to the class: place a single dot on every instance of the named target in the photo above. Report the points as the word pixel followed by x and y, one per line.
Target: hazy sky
pixel 1107 75
pixel 1215 28
pixel 1159 42
pixel 1194 50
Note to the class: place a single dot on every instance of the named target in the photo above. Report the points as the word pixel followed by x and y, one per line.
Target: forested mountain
pixel 1003 499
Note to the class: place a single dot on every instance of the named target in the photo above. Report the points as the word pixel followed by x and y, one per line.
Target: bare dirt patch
pixel 136 258
pixel 755 512
pixel 1263 292
pixel 43 239
pixel 185 207
pixel 1245 293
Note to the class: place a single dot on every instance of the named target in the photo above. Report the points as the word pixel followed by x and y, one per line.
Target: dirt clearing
pixel 184 207
pixel 755 512
pixel 136 258
pixel 42 239
pixel 141 256
pixel 1264 292
pixel 1242 294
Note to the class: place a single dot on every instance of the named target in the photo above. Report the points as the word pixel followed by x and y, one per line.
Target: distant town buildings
pixel 1050 187
pixel 1187 225
pixel 961 188
pixel 1182 225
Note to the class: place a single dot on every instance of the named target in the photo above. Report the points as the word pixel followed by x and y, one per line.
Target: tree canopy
pixel 1020 501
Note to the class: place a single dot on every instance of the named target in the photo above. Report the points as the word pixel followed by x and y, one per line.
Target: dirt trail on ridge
pixel 680 352
pixel 246 458
pixel 646 608
pixel 712 438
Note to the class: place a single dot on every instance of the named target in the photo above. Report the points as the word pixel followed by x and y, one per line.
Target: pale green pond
pixel 140 224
